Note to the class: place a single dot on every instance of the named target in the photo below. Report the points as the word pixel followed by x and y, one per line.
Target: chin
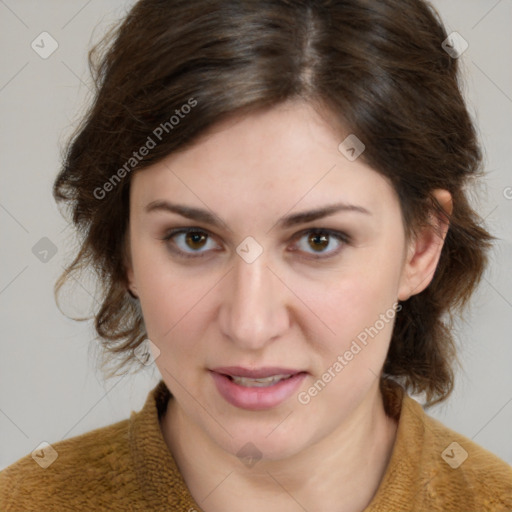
pixel 251 443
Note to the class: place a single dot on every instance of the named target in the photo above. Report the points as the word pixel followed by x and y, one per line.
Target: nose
pixel 254 311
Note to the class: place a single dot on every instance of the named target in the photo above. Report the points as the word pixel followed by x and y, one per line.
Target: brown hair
pixel 378 67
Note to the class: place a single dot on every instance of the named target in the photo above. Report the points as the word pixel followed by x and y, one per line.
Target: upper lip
pixel 255 373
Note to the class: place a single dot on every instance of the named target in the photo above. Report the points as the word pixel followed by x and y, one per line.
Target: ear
pixel 424 250
pixel 130 276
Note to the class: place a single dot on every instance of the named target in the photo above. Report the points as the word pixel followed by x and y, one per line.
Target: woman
pixel 273 195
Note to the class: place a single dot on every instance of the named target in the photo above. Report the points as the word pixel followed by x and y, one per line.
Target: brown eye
pixel 321 243
pixel 195 239
pixel 318 242
pixel 190 242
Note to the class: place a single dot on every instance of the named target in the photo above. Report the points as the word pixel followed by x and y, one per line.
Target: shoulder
pixel 433 467
pixel 82 469
pixel 457 471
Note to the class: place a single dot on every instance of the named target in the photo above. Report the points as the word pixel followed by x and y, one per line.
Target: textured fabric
pixel 127 466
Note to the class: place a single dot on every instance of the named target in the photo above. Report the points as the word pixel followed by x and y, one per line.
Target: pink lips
pixel 257 373
pixel 256 398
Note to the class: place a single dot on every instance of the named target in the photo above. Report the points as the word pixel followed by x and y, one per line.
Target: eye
pixel 190 242
pixel 195 242
pixel 320 241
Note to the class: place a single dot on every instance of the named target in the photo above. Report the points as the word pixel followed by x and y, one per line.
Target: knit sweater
pixel 127 466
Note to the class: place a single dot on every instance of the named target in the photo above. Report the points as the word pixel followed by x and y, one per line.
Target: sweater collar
pixel 162 483
pixel 159 477
pixel 400 485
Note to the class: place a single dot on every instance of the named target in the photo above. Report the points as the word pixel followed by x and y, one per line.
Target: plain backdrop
pixel 49 387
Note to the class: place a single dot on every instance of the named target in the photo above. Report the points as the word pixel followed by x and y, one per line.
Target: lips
pixel 255 373
pixel 238 387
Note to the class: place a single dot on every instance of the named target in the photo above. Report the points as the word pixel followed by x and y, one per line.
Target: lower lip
pixel 257 398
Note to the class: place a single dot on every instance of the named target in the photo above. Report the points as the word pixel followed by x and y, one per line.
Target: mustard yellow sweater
pixel 127 466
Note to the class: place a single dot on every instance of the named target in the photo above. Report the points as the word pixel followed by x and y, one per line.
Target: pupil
pixel 316 237
pixel 195 238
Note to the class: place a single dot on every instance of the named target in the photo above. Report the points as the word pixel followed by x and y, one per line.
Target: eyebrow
pixel 206 217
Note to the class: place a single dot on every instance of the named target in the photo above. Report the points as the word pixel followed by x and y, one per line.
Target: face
pixel 255 285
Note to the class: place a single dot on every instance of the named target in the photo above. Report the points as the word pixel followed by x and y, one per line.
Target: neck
pixel 340 472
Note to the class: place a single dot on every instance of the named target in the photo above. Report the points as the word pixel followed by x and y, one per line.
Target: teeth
pixel 258 383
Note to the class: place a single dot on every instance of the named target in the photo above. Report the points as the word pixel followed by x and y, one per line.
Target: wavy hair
pixel 378 67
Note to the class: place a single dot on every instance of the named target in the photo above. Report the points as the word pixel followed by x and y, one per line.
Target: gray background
pixel 49 387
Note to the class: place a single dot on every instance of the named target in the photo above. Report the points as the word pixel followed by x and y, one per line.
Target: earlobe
pixel 128 266
pixel 131 287
pixel 425 249
pixel 130 278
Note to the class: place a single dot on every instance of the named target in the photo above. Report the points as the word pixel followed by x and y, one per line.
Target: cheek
pixel 355 305
pixel 361 314
pixel 168 297
pixel 175 319
pixel 171 306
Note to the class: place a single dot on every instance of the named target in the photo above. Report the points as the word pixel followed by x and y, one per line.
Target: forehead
pixel 280 156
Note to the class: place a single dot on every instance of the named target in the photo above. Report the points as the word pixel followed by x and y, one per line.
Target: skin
pixel 283 309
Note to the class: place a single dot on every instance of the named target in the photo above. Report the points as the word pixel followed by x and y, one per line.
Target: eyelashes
pixel 193 234
pixel 177 241
pixel 322 238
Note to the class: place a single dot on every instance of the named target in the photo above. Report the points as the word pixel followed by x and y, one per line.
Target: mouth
pixel 258 383
pixel 256 373
pixel 256 389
